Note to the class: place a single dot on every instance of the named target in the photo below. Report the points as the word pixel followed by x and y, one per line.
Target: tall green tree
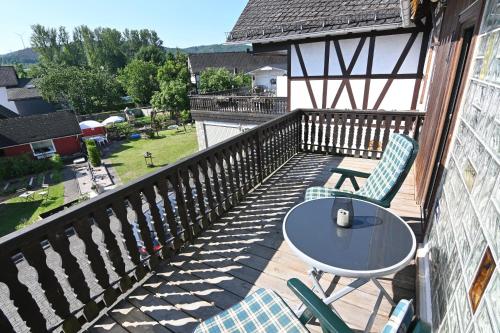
pixel 83 90
pixel 139 80
pixel 172 96
pixel 218 79
pixel 152 53
pixel 173 78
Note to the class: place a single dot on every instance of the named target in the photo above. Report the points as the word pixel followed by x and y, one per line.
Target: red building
pixel 41 135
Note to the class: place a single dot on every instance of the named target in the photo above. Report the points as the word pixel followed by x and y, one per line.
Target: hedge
pixel 23 165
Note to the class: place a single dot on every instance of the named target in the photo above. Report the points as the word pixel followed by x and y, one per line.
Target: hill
pixel 28 56
pixel 24 56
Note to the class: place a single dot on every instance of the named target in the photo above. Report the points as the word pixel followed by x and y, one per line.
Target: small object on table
pixel 343 219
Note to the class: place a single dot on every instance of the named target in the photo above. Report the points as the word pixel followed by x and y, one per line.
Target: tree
pixel 171 96
pixel 21 72
pixel 138 79
pixel 175 68
pixel 218 79
pixel 83 90
pixel 151 53
pixel 100 48
pixel 173 78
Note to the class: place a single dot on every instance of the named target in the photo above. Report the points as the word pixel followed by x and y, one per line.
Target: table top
pixel 379 242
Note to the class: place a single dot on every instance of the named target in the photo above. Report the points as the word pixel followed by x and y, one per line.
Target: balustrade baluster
pixel 170 217
pixel 20 295
pixel 376 138
pixel 103 222
pixel 181 207
pixel 197 227
pixel 215 178
pixel 157 220
pixel 328 129
pixel 84 232
pixel 321 146
pixel 144 227
pixel 368 136
pixel 36 257
pixel 387 130
pixel 59 241
pixel 343 129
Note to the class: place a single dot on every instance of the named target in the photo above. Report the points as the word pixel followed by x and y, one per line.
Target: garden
pixel 166 147
pixel 29 188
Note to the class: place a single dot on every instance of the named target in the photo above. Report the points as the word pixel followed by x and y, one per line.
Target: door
pixel 446 134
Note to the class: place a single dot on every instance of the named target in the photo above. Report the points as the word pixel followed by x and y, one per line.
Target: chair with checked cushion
pixel 383 183
pixel 265 311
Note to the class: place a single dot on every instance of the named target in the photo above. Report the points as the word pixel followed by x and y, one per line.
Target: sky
pixel 179 23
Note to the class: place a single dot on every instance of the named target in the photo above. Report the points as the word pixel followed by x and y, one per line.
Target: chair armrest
pixel 360 197
pixel 329 321
pixel 348 172
pixel 351 174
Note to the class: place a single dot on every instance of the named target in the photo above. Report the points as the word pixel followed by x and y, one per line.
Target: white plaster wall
pixel 200 135
pixel 215 132
pixel 387 51
pixel 313 55
pixel 299 95
pixel 263 78
pixel 5 101
pixel 282 86
pixel 399 95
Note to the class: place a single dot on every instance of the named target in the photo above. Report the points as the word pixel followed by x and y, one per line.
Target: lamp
pixel 148 158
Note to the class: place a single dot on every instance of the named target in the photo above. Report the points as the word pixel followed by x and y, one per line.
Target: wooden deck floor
pixel 246 251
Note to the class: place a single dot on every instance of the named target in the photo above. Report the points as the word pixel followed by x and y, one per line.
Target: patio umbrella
pixel 113 119
pixel 89 124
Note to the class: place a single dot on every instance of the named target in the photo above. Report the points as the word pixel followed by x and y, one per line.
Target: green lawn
pixel 128 160
pixel 17 213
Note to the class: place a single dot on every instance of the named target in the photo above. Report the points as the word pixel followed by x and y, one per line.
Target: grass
pixel 17 213
pixel 128 160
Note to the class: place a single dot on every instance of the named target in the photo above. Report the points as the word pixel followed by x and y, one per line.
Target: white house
pixel 266 78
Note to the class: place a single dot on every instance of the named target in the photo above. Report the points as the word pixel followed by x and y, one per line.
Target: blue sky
pixel 179 23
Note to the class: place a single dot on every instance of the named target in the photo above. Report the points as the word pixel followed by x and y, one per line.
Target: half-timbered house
pixel 366 55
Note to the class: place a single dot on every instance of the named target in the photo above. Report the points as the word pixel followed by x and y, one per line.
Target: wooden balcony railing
pixel 86 256
pixel 247 104
pixel 356 133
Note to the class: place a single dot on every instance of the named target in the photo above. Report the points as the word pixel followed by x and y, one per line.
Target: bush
pixel 93 152
pixel 23 165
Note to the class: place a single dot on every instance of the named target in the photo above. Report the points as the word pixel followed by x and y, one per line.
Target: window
pixel 42 149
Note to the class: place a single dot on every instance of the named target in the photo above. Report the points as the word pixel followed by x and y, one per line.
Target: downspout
pixel 405 13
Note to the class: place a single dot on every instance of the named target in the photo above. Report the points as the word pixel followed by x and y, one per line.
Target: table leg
pixel 374 312
pixel 346 290
pixel 383 291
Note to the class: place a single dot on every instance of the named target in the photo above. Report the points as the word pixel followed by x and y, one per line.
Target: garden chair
pixel 265 311
pixel 45 191
pixel 383 183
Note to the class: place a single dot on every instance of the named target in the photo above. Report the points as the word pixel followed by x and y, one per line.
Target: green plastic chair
pixel 383 183
pixel 265 311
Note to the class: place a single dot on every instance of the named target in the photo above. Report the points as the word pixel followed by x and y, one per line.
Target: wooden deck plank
pixel 245 250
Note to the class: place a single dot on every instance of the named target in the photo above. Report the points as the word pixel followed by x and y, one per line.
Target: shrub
pixel 23 165
pixel 93 152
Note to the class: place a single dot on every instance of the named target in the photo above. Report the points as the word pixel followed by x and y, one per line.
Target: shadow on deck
pixel 246 251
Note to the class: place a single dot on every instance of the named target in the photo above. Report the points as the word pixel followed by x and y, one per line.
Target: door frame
pixel 470 17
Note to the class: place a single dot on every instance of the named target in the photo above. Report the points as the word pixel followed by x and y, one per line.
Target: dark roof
pixel 19 130
pixel 6 113
pixel 241 61
pixel 24 90
pixel 265 19
pixel 8 76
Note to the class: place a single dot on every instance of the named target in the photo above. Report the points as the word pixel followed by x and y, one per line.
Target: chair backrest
pixel 391 171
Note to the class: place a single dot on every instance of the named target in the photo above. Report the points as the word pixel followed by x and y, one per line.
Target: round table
pixel 379 243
